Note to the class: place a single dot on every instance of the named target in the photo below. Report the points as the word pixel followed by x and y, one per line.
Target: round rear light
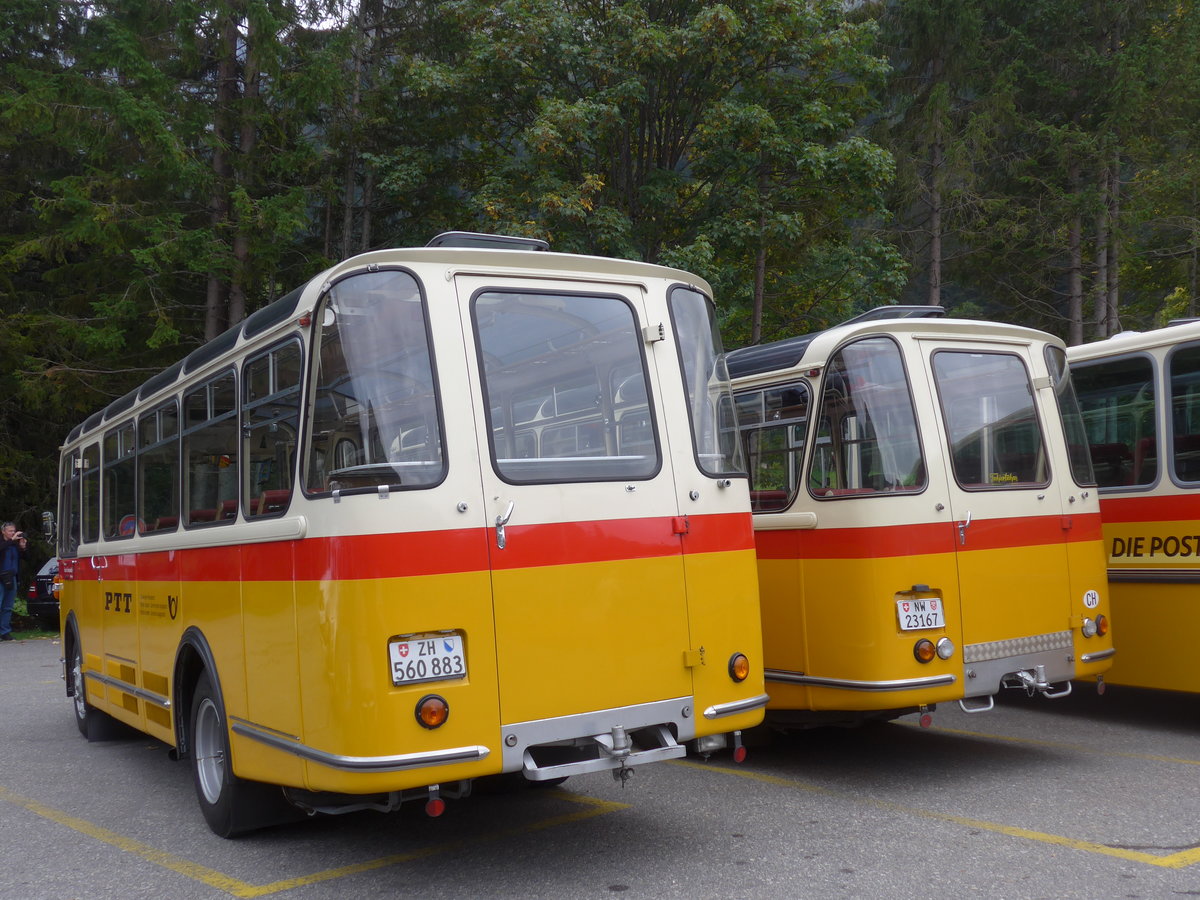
pixel 1102 625
pixel 739 667
pixel 1089 628
pixel 924 650
pixel 945 648
pixel 432 711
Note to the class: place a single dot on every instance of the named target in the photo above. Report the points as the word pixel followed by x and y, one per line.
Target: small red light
pixel 926 720
pixel 434 807
pixel 739 754
pixel 1101 625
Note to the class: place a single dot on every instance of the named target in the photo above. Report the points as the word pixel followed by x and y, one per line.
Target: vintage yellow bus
pixel 1141 393
pixel 439 513
pixel 926 523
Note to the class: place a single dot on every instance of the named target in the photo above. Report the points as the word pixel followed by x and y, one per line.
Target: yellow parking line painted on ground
pixel 1061 745
pixel 238 888
pixel 1179 860
pixel 192 870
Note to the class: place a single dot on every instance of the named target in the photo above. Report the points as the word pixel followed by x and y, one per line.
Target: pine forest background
pixel 169 166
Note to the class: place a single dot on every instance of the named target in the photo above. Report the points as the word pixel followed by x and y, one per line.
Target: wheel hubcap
pixel 77 680
pixel 209 750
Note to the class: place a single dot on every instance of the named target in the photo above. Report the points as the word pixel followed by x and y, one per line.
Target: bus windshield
pixel 706 380
pixel 375 418
pixel 867 439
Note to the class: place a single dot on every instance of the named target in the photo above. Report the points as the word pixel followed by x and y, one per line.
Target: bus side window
pixel 1185 411
pixel 70 526
pixel 772 424
pixel 158 469
pixel 1117 399
pixel 210 450
pixel 119 507
pixel 270 424
pixel 91 493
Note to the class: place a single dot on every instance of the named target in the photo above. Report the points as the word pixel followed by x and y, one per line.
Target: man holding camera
pixel 12 551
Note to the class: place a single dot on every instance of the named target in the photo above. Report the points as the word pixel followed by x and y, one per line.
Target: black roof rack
pixel 487 241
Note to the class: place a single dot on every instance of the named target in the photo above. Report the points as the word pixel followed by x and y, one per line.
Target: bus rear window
pixel 995 436
pixel 566 387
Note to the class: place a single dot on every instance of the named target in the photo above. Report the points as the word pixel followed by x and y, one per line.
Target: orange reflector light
pixel 432 711
pixel 924 650
pixel 1102 625
pixel 739 667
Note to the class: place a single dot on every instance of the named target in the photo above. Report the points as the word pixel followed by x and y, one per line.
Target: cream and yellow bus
pixel 926 522
pixel 1140 393
pixel 439 513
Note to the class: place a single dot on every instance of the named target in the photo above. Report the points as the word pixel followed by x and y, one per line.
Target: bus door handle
pixel 962 528
pixel 501 521
pixel 99 564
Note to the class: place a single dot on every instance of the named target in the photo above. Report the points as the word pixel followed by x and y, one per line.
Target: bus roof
pixel 1131 341
pixel 457 251
pixel 813 350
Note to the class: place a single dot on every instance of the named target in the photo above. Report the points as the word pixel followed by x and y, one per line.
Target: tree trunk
pixel 1100 280
pixel 216 312
pixel 935 224
pixel 1112 312
pixel 244 177
pixel 1075 284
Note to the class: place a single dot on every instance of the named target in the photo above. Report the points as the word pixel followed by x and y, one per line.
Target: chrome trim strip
pixel 395 763
pixel 720 710
pixel 1098 655
pixel 149 696
pixel 846 684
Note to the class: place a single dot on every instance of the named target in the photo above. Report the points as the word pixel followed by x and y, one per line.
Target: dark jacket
pixel 11 554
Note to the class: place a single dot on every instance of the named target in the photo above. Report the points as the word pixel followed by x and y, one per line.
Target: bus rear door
pixel 1009 525
pixel 587 573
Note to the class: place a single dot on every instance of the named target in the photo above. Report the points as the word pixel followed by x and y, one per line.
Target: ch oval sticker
pixel 1091 599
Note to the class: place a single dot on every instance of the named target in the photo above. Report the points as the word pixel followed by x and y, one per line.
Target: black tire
pixel 231 805
pixel 83 709
pixel 91 722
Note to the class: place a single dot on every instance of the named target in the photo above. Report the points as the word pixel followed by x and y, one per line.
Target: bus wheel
pixel 82 708
pixel 231 805
pixel 91 722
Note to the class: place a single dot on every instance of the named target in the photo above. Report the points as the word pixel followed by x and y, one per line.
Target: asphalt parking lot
pixel 1081 797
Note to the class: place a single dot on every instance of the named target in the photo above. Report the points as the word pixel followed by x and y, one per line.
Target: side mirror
pixel 49 528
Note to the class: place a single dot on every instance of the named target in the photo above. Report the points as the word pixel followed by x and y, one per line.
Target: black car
pixel 42 599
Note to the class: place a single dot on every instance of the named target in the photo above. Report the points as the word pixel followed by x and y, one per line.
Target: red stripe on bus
pixel 567 543
pixel 926 538
pixel 408 554
pixel 1150 508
